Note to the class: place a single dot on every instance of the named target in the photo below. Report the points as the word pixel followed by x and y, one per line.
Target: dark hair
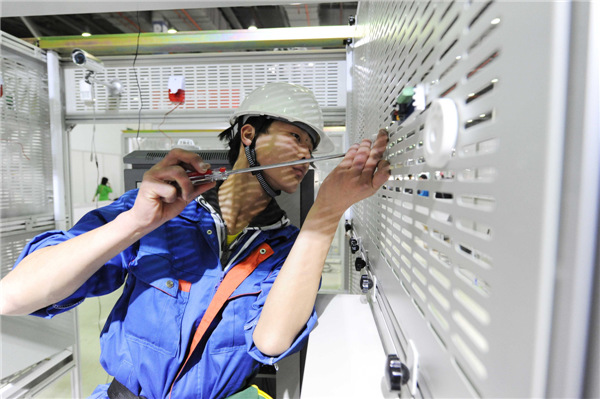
pixel 104 181
pixel 260 125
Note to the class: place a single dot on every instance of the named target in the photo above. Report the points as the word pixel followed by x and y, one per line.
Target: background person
pixel 103 190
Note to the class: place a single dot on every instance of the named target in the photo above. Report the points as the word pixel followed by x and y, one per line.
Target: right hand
pixel 166 189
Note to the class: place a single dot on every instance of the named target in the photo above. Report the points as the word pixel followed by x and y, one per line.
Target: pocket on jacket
pixel 156 305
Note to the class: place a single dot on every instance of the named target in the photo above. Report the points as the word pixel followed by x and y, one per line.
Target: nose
pixel 304 151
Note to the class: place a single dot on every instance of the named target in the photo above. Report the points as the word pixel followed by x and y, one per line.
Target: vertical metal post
pixel 570 354
pixel 61 186
pixel 60 146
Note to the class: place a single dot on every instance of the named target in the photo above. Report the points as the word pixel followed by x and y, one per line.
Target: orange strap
pixel 231 281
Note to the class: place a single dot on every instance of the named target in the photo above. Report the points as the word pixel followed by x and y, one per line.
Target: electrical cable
pixel 93 152
pixel 20 145
pixel 163 121
pixel 137 47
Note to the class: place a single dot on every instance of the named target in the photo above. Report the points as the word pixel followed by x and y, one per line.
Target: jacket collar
pixel 271 217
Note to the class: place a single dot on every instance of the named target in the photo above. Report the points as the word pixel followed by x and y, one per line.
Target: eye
pixel 300 140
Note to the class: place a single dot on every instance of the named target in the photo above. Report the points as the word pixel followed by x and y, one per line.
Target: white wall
pixel 85 176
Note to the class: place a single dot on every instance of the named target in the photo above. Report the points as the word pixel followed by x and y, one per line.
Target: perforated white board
pixel 464 253
pixel 213 84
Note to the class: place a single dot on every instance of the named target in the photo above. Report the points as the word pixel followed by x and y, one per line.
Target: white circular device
pixel 441 132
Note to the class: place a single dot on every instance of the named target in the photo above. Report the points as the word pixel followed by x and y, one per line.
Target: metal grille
pixel 464 253
pixel 25 130
pixel 208 86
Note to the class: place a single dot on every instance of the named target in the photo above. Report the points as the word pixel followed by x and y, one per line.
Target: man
pixel 174 245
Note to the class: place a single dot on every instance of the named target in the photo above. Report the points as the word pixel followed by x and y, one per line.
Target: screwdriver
pixel 222 174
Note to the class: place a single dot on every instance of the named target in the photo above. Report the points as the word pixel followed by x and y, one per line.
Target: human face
pixel 284 142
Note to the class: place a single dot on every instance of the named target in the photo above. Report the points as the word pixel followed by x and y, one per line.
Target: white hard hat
pixel 289 103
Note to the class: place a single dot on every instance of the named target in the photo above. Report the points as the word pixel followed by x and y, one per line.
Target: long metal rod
pixel 282 164
pixel 193 42
pixel 197 178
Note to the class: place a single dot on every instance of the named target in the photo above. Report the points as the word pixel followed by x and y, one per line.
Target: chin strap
pixel 251 156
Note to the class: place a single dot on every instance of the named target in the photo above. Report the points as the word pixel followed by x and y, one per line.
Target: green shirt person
pixel 103 190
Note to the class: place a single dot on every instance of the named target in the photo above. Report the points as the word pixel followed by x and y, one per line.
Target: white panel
pixel 211 86
pixel 26 162
pixel 26 201
pixel 464 253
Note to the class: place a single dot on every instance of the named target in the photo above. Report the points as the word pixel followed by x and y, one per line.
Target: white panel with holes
pixel 462 240
pixel 212 84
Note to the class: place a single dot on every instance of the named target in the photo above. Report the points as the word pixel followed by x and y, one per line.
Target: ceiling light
pixel 252 27
pixel 86 34
pixel 495 21
pixel 172 30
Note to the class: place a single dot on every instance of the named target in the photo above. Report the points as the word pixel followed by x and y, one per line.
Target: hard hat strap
pixel 251 156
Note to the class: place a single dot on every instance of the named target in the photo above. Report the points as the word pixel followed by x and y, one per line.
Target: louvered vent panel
pixel 459 251
pixel 25 131
pixel 212 86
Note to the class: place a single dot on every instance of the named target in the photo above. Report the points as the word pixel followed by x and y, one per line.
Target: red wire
pixel 165 118
pixel 191 19
pixel 137 27
pixel 19 144
pixel 307 16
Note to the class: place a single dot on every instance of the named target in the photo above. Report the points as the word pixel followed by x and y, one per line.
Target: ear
pixel 247 134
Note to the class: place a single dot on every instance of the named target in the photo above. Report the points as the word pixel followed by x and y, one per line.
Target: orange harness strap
pixel 231 281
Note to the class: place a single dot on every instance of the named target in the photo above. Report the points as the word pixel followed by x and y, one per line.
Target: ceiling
pixel 113 21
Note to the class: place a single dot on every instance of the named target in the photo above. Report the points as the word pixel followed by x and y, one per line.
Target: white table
pixel 345 357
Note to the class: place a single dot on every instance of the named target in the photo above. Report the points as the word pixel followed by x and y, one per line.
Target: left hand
pixel 360 174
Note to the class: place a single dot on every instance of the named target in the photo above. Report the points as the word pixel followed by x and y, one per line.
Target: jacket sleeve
pixel 254 315
pixel 108 278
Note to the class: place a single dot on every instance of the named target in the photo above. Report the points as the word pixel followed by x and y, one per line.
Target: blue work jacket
pixel 170 277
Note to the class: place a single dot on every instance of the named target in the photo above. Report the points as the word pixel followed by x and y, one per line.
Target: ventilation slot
pixel 479 119
pixel 428 36
pixel 482 202
pixel 438 235
pixel 485 63
pixel 151 156
pixel 476 256
pixel 476 228
pixel 443 196
pixel 473 281
pixel 440 216
pixel 444 54
pixel 442 257
pixel 446 10
pixel 473 307
pixel 493 25
pixel 437 335
pixel 480 13
pixel 448 90
pixel 440 278
pixel 486 89
pixel 470 357
pixel 480 175
pixel 481 148
pixel 441 321
pixel 449 27
pixel 444 175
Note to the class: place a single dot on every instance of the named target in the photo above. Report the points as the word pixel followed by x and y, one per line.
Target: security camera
pixel 87 61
